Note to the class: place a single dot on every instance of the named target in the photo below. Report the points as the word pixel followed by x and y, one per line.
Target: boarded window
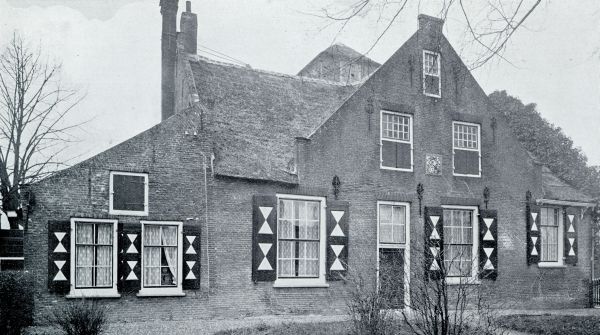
pixel 396 140
pixel 129 192
pixel 466 148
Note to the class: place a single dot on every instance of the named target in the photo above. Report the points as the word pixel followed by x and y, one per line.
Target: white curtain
pixel 169 238
pixel 151 255
pixel 84 234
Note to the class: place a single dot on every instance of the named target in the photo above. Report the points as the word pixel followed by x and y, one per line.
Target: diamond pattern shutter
pixel 570 235
pixel 264 238
pixel 337 239
pixel 488 244
pixel 59 256
pixel 130 260
pixel 533 233
pixel 434 242
pixel 191 257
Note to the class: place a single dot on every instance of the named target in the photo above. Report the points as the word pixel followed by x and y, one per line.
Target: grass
pixel 316 328
pixel 552 324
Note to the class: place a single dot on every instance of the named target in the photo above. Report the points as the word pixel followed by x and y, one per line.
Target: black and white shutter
pixel 191 257
pixel 570 235
pixel 59 256
pixel 488 244
pixel 337 239
pixel 130 260
pixel 434 242
pixel 264 237
pixel 533 233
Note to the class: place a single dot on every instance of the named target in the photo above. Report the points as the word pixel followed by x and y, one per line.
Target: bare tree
pixel 488 24
pixel 33 107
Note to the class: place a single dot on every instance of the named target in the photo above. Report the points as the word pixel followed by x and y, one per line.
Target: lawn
pixel 552 324
pixel 317 328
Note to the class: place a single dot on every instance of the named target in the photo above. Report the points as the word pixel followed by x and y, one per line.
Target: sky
pixel 110 50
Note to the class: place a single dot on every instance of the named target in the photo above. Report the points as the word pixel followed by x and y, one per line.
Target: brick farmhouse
pixel 263 193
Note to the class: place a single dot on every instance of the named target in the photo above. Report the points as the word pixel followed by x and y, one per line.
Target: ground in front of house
pixel 573 322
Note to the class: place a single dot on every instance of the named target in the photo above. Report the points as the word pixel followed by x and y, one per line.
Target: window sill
pixel 161 294
pixel 92 294
pixel 127 213
pixel 466 175
pixel 546 265
pixel 299 283
pixel 395 169
pixel 463 281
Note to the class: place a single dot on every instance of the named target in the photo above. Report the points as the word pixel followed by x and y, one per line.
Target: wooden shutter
pixel 59 256
pixel 130 260
pixel 191 257
pixel 264 238
pixel 570 235
pixel 533 233
pixel 338 213
pixel 434 242
pixel 488 244
pixel 466 162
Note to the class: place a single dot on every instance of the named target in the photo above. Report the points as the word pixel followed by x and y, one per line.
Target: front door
pixel 393 252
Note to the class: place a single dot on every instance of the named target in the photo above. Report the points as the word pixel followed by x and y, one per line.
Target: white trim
pixel 405 246
pixel 110 194
pixel 175 291
pixel 410 141
pixel 439 76
pixel 306 282
pixel 12 258
pixel 474 278
pixel 96 292
pixel 479 145
pixel 564 203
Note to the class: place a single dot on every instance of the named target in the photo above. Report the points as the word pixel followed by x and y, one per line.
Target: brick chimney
pixel 189 29
pixel 430 25
pixel 168 10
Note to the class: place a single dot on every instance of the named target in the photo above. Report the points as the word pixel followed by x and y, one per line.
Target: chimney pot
pixel 188 6
pixel 189 29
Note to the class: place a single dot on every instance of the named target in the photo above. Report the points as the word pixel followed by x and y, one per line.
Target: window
pixel 128 193
pixel 161 258
pixel 396 141
pixel 393 265
pixel 432 84
pixel 466 147
pixel 460 242
pixel 300 240
pixel 551 236
pixel 93 257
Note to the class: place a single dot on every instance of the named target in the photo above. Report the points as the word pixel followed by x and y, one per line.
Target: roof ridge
pixel 198 58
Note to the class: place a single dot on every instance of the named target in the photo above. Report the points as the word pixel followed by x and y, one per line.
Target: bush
pixel 16 301
pixel 367 309
pixel 80 318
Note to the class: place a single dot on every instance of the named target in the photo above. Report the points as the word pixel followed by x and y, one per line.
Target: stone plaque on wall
pixel 433 164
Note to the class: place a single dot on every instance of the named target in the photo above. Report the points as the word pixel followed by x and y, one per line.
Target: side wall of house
pixel 348 146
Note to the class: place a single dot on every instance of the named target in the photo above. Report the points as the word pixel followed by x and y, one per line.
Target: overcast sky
pixel 111 50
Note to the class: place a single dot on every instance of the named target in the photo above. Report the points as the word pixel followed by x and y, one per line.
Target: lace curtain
pixel 93 253
pixel 159 241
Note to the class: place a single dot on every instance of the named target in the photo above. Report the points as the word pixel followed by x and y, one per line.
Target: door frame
pixel 405 246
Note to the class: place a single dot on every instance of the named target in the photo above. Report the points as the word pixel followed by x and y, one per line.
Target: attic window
pixel 432 83
pixel 128 193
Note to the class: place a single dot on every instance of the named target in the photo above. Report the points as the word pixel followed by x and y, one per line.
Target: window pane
pixel 395 127
pixel 160 257
pixel 84 233
pixel 169 235
pixel 458 242
pixel 151 235
pixel 104 233
pixel 129 192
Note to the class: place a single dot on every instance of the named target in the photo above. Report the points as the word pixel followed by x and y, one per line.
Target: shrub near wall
pixel 16 301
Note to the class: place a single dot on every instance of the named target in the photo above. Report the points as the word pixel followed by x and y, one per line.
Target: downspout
pixel 204 167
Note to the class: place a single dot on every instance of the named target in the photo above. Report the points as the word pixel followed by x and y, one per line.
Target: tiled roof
pixel 556 189
pixel 254 116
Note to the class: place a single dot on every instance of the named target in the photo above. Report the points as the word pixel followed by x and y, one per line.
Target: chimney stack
pixel 189 29
pixel 168 10
pixel 430 25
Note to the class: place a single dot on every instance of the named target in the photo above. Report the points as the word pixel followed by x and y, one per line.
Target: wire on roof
pixel 221 55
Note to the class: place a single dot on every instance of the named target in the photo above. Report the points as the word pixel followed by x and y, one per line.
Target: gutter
pixel 565 203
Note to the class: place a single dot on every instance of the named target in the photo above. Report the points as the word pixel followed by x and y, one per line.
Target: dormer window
pixel 432 83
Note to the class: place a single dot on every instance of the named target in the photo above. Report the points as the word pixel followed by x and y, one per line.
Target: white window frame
pixel 111 193
pixel 474 278
pixel 405 246
pixel 171 291
pixel 439 75
pixel 559 263
pixel 410 141
pixel 96 292
pixel 306 282
pixel 478 150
